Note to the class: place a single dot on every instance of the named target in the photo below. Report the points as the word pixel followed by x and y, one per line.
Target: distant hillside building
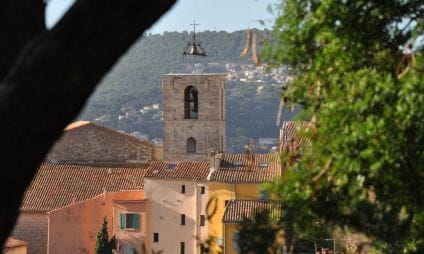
pixel 88 142
pixel 193 115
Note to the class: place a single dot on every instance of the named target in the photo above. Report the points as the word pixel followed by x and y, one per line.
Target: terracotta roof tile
pixel 58 185
pixel 81 124
pixel 246 168
pixel 238 211
pixel 190 170
pixel 290 135
pixel 13 242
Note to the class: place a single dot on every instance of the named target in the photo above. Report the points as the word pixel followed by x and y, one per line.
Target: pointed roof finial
pixel 194 48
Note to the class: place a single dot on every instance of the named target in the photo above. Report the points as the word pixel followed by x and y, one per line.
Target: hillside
pixel 129 98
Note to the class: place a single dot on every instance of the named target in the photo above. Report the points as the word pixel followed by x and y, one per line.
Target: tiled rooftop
pixel 189 170
pixel 290 135
pixel 13 242
pixel 246 168
pixel 58 185
pixel 82 124
pixel 238 211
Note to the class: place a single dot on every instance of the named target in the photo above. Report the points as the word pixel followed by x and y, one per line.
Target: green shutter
pixel 122 215
pixel 136 221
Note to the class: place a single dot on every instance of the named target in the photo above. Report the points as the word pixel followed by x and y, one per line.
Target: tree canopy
pixel 358 74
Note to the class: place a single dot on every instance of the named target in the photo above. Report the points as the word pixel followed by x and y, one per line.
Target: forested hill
pixel 130 96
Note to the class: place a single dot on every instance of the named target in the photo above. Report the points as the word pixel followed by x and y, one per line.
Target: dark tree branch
pixel 20 21
pixel 51 80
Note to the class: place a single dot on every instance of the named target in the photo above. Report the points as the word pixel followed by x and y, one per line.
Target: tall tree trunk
pixel 52 79
pixel 20 21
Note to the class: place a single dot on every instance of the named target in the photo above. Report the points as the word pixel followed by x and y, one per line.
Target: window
pixel 155 237
pixel 129 249
pixel 191 107
pixel 263 165
pixel 171 165
pixel 202 220
pixel 191 145
pixel 130 221
pixel 264 195
pixel 202 248
pixel 182 247
pixel 182 188
pixel 202 190
pixel 237 163
pixel 182 219
pixel 236 238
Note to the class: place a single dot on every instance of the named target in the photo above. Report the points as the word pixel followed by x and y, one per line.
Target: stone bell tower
pixel 193 115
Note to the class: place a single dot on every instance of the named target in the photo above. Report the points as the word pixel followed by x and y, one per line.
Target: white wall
pixel 166 204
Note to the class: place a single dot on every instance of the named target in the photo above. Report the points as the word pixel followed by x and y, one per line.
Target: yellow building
pixel 187 199
pixel 239 212
pixel 236 177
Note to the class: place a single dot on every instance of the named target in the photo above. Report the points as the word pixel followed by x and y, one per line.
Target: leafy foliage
pixel 362 87
pixel 259 235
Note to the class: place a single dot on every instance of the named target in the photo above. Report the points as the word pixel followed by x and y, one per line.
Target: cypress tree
pixel 102 243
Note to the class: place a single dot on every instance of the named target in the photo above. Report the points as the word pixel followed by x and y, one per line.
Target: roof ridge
pixel 79 124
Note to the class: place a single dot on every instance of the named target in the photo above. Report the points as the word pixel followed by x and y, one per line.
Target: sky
pixel 227 15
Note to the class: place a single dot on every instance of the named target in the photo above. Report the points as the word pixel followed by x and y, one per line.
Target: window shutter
pixel 136 221
pixel 122 215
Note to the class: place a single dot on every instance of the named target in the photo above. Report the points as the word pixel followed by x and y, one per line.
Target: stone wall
pixel 32 228
pixel 88 142
pixel 208 130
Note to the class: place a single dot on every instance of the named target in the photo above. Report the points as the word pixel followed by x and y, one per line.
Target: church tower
pixel 193 115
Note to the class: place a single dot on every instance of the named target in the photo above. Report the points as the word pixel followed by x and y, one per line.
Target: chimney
pixel 211 158
pixel 214 160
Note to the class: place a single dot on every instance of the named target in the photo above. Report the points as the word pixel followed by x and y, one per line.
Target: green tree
pixel 258 235
pixel 358 74
pixel 103 246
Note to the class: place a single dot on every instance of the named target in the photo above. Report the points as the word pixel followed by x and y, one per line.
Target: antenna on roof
pixel 248 148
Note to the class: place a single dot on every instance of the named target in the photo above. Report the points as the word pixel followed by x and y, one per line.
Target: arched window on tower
pixel 191 145
pixel 191 103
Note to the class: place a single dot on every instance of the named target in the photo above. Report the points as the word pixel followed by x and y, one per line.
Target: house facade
pixel 59 185
pixel 74 228
pixel 178 197
pixel 237 177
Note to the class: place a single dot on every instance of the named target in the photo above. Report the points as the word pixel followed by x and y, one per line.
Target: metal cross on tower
pixel 194 28
pixel 194 48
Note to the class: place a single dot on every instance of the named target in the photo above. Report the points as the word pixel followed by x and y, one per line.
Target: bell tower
pixel 193 115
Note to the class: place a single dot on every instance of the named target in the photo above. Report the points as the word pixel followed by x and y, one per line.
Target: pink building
pixel 58 185
pixel 74 228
